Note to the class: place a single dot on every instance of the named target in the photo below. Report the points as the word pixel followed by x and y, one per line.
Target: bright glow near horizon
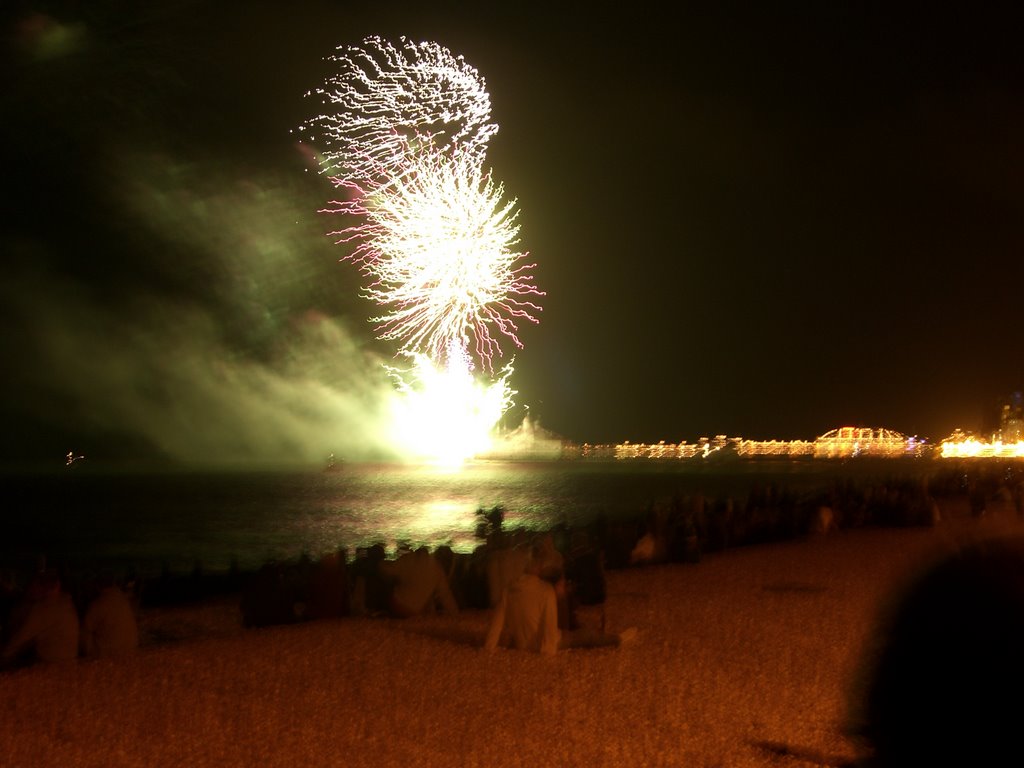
pixel 445 415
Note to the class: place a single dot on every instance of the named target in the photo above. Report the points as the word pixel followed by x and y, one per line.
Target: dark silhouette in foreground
pixel 45 626
pixel 109 628
pixel 419 585
pixel 944 683
pixel 941 681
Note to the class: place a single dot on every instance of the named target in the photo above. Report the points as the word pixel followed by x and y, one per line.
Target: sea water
pixel 180 520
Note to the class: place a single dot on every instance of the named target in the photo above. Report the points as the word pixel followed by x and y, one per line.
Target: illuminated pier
pixel 861 441
pixel 840 443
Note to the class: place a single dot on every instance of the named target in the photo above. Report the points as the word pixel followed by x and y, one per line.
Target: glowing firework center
pixel 432 234
pixel 447 414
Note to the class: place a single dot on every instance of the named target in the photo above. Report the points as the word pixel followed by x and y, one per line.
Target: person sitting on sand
pixel 109 629
pixel 504 565
pixel 526 617
pixel 419 585
pixel 50 627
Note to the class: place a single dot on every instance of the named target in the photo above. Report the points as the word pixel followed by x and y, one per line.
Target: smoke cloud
pixel 217 335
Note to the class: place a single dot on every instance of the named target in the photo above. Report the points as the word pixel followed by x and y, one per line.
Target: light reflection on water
pixel 178 519
pixel 432 505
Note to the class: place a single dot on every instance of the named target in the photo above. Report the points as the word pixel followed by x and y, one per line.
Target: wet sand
pixel 749 652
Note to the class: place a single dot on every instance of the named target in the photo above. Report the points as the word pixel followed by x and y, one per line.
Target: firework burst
pixel 438 245
pixel 385 97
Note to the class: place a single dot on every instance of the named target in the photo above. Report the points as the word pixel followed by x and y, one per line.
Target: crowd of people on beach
pixel 938 681
pixel 517 574
pixel 573 561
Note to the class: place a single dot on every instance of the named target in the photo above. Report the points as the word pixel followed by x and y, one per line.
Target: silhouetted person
pixel 526 617
pixel 551 561
pixel 50 625
pixel 585 571
pixel 328 588
pixel 450 563
pixel 269 597
pixel 371 592
pixel 503 566
pixel 419 585
pixel 977 497
pixel 945 682
pixel 446 559
pixel 109 628
pixel 550 566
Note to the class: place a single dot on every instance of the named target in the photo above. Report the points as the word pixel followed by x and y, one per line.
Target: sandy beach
pixel 750 647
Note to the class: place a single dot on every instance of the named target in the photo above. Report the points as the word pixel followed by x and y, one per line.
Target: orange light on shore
pixel 972 448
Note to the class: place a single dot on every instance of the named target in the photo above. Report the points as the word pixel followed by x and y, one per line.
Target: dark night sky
pixel 756 223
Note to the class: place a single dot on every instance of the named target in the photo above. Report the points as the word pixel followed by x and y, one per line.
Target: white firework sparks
pixel 439 246
pixel 385 97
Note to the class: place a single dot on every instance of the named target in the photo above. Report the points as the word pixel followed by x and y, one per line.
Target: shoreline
pixel 143 526
pixel 218 614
